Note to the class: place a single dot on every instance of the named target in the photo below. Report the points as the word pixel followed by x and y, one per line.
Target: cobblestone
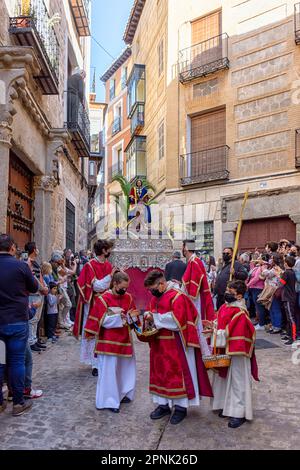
pixel 66 417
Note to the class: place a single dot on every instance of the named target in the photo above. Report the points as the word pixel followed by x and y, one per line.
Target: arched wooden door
pixel 20 202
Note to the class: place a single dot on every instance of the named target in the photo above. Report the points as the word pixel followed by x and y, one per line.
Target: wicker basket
pixel 215 361
pixel 148 333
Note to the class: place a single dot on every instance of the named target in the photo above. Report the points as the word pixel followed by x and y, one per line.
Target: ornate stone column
pixel 43 221
pixel 5 144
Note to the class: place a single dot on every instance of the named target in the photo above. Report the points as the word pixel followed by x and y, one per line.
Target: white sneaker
pixel 33 394
pixel 259 328
pixel 296 344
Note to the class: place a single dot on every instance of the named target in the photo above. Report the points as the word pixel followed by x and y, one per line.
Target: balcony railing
pixel 138 118
pixel 80 11
pixel 204 166
pixel 117 125
pixel 203 58
pixel 32 27
pixel 78 123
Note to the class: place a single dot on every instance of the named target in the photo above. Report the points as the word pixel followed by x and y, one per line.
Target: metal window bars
pixel 204 166
pixel 33 14
pixel 203 58
pixel 78 122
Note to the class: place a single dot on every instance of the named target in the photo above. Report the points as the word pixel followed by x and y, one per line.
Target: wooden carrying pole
pixel 238 233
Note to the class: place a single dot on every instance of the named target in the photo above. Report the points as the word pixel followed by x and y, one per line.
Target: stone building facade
pixel 43 186
pixel 117 137
pixel 229 98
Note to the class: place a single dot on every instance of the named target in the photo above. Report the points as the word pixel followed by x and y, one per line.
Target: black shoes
pixel 126 400
pixel 288 342
pixel 160 412
pixel 164 410
pixel 40 345
pixel 178 415
pixel 220 414
pixel 236 422
pixel 114 410
pixel 95 372
pixel 35 348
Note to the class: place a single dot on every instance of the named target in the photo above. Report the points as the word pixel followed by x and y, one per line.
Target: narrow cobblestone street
pixel 66 418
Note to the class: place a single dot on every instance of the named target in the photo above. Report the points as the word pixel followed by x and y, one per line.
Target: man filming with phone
pixel 38 298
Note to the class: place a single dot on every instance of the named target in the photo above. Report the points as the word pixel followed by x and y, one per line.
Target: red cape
pixel 113 341
pixel 196 283
pixel 170 376
pixel 91 271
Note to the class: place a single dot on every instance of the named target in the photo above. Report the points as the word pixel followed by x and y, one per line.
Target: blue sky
pixel 109 18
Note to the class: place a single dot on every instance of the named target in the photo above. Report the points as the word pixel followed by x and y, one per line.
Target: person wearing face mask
pixel 239 273
pixel 178 377
pixel 95 277
pixel 195 286
pixel 235 336
pixel 109 321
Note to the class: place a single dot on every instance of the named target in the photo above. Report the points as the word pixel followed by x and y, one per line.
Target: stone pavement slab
pixel 66 417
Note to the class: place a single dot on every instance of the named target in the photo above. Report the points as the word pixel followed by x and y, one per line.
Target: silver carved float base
pixel 142 254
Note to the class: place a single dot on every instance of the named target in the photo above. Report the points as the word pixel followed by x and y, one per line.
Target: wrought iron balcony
pixel 203 58
pixel 80 11
pixel 32 27
pixel 78 123
pixel 204 166
pixel 297 148
pixel 117 125
pixel 138 118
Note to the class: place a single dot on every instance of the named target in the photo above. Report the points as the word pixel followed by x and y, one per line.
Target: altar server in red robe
pixel 95 277
pixel 235 337
pixel 177 374
pixel 195 285
pixel 108 321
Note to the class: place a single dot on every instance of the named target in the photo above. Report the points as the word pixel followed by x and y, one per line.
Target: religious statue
pixel 139 203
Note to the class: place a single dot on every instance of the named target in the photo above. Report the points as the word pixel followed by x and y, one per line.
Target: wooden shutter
pixel 209 130
pixel 207 27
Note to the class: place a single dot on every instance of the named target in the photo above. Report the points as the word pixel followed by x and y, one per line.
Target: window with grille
pixel 161 141
pixel 70 225
pixel 161 64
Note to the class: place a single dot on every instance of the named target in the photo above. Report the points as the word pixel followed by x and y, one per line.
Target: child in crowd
pixel 47 273
pixel 289 297
pixel 52 312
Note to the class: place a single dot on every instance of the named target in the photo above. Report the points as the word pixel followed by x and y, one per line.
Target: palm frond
pixel 124 183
